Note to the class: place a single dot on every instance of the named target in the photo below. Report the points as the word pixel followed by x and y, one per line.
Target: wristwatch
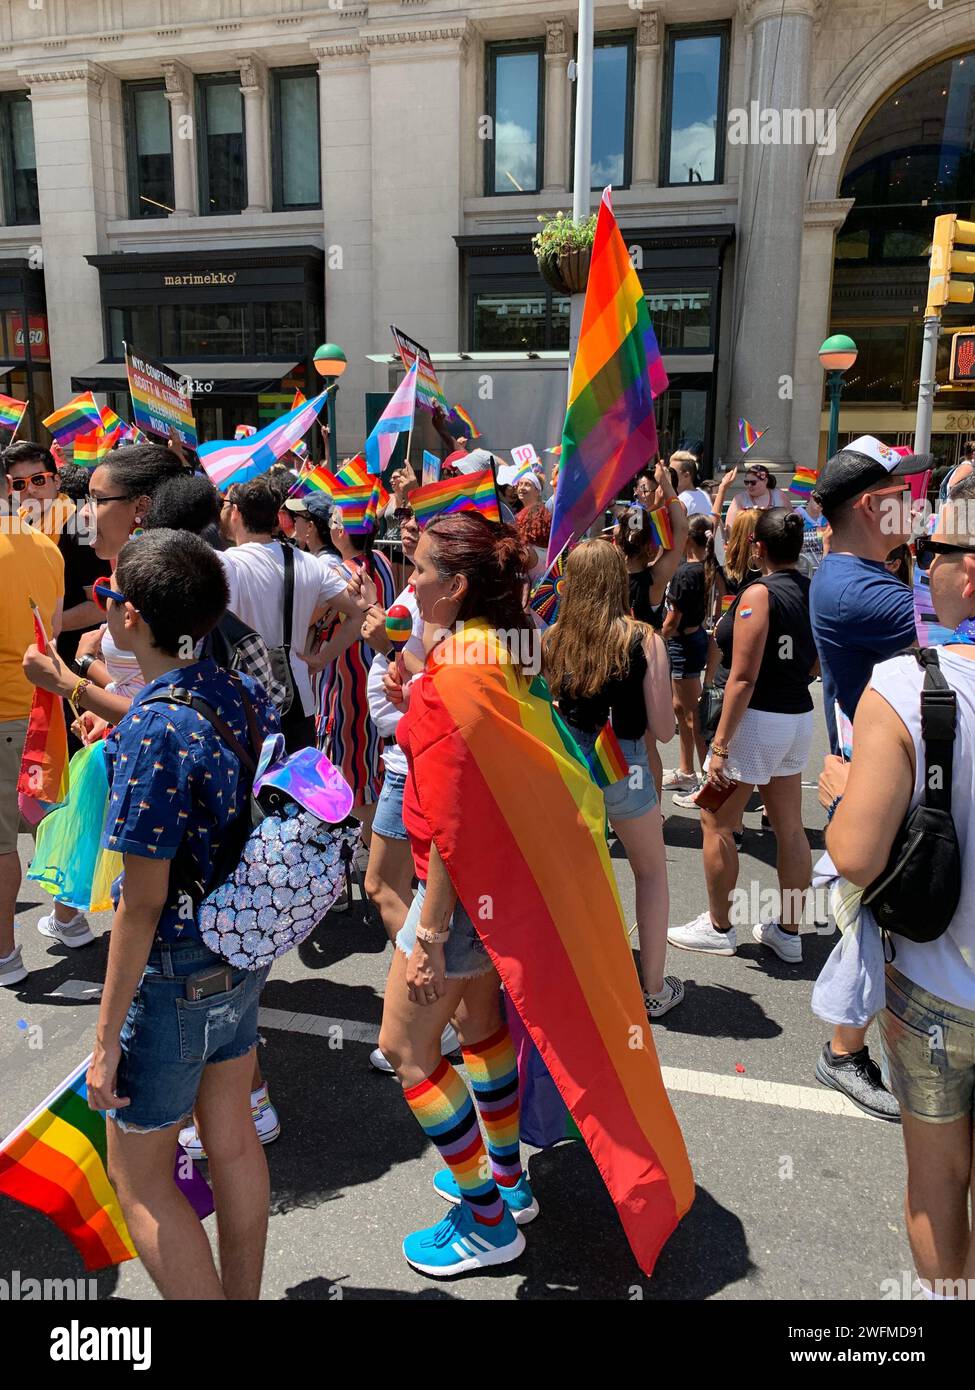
pixel 82 664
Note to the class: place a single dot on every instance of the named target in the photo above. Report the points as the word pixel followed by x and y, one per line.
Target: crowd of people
pixel 267 608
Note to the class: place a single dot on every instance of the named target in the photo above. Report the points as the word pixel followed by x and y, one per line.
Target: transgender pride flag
pixel 228 461
pixel 395 420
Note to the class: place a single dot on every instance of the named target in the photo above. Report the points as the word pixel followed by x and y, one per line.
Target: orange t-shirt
pixel 31 567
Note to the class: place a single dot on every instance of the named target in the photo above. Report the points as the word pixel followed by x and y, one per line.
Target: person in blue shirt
pixel 860 615
pixel 178 795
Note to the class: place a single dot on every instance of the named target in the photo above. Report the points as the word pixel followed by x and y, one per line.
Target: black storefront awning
pixel 210 378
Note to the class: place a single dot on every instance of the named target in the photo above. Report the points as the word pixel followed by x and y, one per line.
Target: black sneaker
pixel 857 1077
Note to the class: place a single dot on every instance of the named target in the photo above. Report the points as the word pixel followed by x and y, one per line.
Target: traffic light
pixel 946 262
pixel 962 369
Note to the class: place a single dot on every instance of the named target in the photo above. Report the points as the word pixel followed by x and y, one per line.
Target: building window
pixel 682 319
pixel 695 104
pixel 204 330
pixel 279 329
pixel 527 321
pixel 515 107
pixel 881 371
pixel 18 159
pixel 222 154
pixel 612 112
pixel 149 141
pixel 295 141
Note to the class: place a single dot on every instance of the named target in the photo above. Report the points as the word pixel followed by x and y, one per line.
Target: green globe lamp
pixel 837 356
pixel 330 362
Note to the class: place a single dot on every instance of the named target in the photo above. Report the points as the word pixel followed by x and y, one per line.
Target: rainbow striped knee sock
pixel 446 1113
pixel 493 1070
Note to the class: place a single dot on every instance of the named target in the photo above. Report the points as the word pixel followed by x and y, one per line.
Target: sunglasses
pixel 22 484
pixel 755 479
pixel 925 549
pixel 103 591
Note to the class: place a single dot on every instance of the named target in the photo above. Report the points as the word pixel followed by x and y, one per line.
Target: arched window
pixel 914 159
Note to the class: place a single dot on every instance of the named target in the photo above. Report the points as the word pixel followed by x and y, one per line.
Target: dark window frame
pixel 7 100
pixel 516 285
pixel 491 53
pixel 674 33
pixel 132 148
pixel 202 84
pixel 277 154
pixel 620 38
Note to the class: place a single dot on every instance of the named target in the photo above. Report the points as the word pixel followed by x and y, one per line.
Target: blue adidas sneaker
pixel 459 1244
pixel 520 1200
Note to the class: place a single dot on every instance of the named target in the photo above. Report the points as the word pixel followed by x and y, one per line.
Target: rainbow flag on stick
pixel 663 528
pixel 56 1162
pixel 479 733
pixel 609 429
pixel 459 415
pixel 355 504
pixel 316 480
pixel 468 492
pixel 80 416
pixel 803 481
pixel 12 412
pixel 608 763
pixel 90 449
pixel 43 779
pixel 356 474
pixel 748 434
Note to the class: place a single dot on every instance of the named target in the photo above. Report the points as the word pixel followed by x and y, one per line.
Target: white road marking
pixel 700 1083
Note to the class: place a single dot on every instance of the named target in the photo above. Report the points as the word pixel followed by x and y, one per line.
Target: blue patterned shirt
pixel 175 782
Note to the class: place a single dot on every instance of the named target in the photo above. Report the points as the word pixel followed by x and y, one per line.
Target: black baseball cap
pixel 861 464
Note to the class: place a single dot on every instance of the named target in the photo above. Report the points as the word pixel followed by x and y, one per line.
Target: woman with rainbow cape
pixel 516 887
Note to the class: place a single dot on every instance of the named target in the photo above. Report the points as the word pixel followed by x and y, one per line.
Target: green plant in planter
pixel 562 249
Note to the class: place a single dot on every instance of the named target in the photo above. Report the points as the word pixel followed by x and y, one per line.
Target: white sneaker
pixel 669 997
pixel 265 1118
pixel 449 1043
pixel 377 1059
pixel 77 932
pixel 12 968
pixel 675 780
pixel 688 799
pixel 786 945
pixel 701 935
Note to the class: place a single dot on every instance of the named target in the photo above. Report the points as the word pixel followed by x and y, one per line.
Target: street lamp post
pixel 837 356
pixel 330 362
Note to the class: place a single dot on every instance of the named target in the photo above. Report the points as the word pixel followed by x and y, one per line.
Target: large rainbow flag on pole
pixel 55 1161
pixel 609 431
pixel 395 420
pixel 535 876
pixel 228 461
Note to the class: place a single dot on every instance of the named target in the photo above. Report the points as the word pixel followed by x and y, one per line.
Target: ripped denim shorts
pixel 168 1039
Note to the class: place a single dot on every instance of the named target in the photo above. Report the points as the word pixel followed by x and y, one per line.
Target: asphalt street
pixel 798 1195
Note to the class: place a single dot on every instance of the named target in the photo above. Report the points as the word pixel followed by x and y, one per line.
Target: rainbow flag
pixel 355 504
pixel 244 431
pixel 479 733
pixel 316 480
pixel 609 429
pixel 55 1162
pixel 608 763
pixel 396 419
pixel 803 481
pixel 355 473
pixel 748 434
pixel 11 413
pixel 468 492
pixel 458 413
pixel 412 353
pixel 662 526
pixel 43 779
pixel 299 400
pixel 726 602
pixel 227 461
pixel 80 416
pixel 90 449
pixel 112 422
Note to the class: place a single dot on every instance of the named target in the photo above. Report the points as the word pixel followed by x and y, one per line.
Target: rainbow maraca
pixel 399 626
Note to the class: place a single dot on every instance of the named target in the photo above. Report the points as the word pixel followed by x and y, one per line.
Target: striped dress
pixel 345 733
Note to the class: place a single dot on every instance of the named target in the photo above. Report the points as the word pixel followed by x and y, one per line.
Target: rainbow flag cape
pixel 460 416
pixel 80 416
pixel 55 1162
pixel 395 420
pixel 748 434
pixel 468 492
pixel 11 413
pixel 608 763
pixel 355 504
pixel 609 429
pixel 662 527
pixel 478 733
pixel 803 481
pixel 228 461
pixel 43 779
pixel 547 593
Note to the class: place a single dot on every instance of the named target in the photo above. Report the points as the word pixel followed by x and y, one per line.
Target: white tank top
pixel 124 669
pixel 945 967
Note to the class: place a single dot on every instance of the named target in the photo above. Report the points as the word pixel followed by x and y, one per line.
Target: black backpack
pixel 917 894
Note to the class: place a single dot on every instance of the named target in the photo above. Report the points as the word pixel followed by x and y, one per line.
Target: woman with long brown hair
pixel 603 665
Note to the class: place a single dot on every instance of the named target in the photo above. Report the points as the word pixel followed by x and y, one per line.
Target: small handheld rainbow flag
pixel 356 474
pixel 748 434
pixel 316 480
pixel 468 492
pixel 663 528
pixel 355 504
pixel 461 414
pixel 803 481
pixel 607 762
pixel 11 413
pixel 90 449
pixel 300 399
pixel 80 416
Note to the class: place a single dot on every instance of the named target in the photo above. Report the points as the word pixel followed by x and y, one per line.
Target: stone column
pixel 647 98
pixel 771 222
pixel 179 94
pixel 557 35
pixel 822 221
pixel 253 84
pixel 75 199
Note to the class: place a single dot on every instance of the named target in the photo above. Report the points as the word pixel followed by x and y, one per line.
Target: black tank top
pixel 782 686
pixel 622 698
pixel 642 609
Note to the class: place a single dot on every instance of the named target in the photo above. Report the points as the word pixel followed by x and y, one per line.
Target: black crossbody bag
pixel 917 894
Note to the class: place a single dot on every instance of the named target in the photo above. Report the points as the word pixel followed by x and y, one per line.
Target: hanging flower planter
pixel 563 250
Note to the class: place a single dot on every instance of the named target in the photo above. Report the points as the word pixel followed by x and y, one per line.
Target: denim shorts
pixel 388 820
pixel 634 795
pixel 928 1052
pixel 168 1039
pixel 688 655
pixel 464 953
